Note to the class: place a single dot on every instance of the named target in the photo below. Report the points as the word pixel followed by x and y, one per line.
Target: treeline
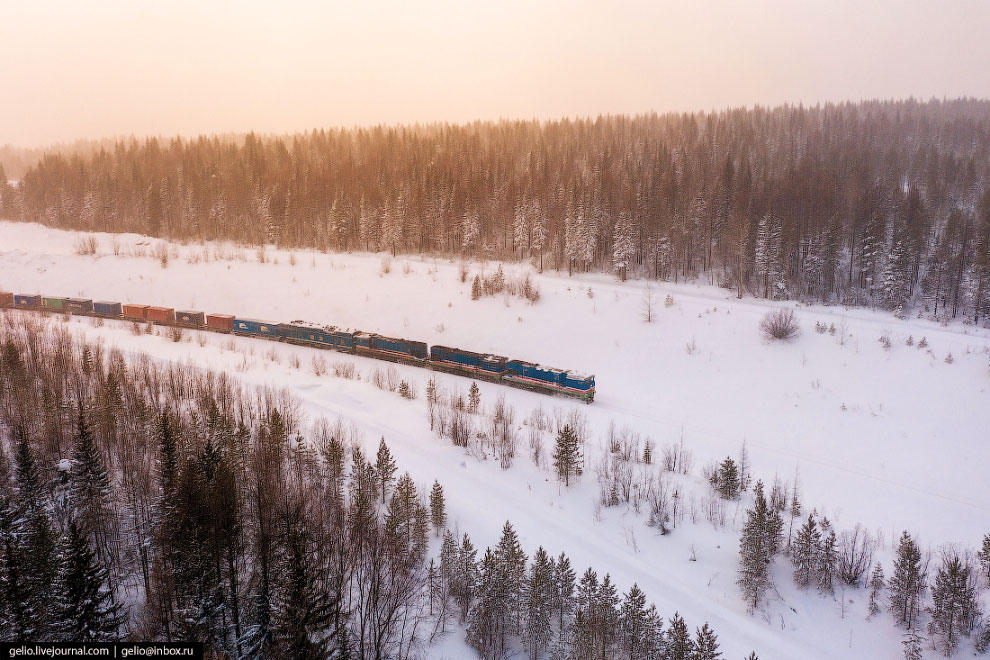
pixel 878 203
pixel 161 502
pixel 949 606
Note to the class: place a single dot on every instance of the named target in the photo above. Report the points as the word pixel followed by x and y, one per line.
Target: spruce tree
pixel 384 468
pixel 877 584
pixel 85 608
pixel 474 398
pixel 476 288
pixel 828 556
pixel 912 645
pixel 907 584
pixel 37 543
pixel 804 552
pixel 438 508
pixel 755 551
pixel 90 489
pixel 955 604
pixel 634 624
pixel 984 557
pixel 304 616
pixel 567 455
pixel 679 643
pixel 705 644
pixel 538 633
pixel 563 592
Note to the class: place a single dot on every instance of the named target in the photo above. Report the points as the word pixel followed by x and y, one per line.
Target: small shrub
pixel 910 340
pixel 175 333
pixel 161 253
pixel 923 343
pixel 319 365
pixel 780 325
pixel 385 267
pixel 668 301
pixel 885 341
pixel 463 272
pixel 86 245
pixel 949 359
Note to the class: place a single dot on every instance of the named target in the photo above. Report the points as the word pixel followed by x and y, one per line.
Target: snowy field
pixel 891 438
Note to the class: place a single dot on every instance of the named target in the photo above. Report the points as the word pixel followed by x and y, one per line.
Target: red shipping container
pixel 221 322
pixel 161 314
pixel 6 299
pixel 139 312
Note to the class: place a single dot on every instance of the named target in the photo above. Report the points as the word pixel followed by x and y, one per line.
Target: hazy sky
pixel 96 68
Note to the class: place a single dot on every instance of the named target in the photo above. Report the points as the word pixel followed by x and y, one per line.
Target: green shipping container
pixel 57 304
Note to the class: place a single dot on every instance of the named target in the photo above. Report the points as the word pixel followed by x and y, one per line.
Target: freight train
pixel 482 366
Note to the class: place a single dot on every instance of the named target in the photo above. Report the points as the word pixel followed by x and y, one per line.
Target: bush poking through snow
pixel 175 333
pixel 780 325
pixel 161 253
pixel 86 245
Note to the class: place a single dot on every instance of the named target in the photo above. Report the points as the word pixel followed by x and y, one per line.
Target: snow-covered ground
pixel 893 439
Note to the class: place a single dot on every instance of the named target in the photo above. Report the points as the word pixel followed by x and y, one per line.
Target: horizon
pixel 110 68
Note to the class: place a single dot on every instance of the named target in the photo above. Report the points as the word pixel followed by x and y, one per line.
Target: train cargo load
pixel 6 299
pixel 136 312
pixel 191 318
pixel 107 308
pixel 53 303
pixel 79 305
pixel 161 315
pixel 27 300
pixel 220 322
pixel 256 328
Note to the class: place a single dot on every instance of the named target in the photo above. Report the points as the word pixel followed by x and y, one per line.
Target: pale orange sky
pixel 97 68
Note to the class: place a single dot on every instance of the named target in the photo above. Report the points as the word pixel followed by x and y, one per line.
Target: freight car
pixel 483 366
pixel 79 305
pixel 109 309
pixel 28 301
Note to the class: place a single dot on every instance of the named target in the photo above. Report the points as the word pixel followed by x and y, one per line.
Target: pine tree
pixel 567 455
pixel 679 643
pixel 877 584
pixel 85 608
pixel 623 247
pixel 563 592
pixel 384 468
pixel 607 622
pixel 474 398
pixel 438 508
pixel 804 553
pixel 907 584
pixel 706 644
pixel 476 288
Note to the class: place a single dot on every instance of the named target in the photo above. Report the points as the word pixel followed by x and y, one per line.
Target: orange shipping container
pixel 161 314
pixel 136 312
pixel 221 322
pixel 6 299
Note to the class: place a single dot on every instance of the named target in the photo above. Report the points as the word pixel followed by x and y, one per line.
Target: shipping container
pixel 256 327
pixel 107 308
pixel 6 299
pixel 494 364
pixel 221 322
pixel 27 300
pixel 136 312
pixel 191 318
pixel 53 303
pixel 79 305
pixel 161 314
